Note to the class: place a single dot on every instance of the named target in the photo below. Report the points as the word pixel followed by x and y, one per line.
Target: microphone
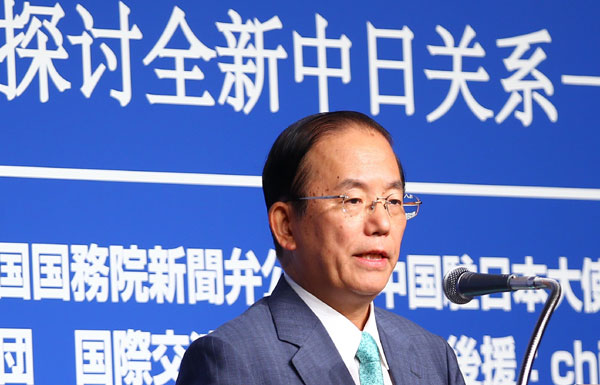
pixel 461 285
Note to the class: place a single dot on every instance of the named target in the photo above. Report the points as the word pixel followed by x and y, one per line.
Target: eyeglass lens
pixel 356 204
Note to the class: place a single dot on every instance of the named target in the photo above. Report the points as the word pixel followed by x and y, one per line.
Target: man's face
pixel 340 259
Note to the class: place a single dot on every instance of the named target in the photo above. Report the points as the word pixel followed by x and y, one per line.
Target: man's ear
pixel 280 216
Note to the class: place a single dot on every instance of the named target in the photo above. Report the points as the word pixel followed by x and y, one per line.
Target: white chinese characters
pixel 246 74
pixel 16 356
pixel 124 34
pixel 494 363
pixel 321 43
pixel 14 271
pixel 184 61
pixel 458 78
pixel 93 273
pixel 132 357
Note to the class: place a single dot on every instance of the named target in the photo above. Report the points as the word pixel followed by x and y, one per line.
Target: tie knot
pixel 367 350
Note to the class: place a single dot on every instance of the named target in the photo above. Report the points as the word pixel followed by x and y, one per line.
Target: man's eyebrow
pixel 351 183
pixel 355 183
pixel 399 184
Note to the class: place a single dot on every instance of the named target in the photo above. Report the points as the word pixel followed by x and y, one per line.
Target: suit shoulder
pixel 254 320
pixel 254 327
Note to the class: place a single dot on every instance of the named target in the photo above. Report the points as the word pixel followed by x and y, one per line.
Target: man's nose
pixel 378 219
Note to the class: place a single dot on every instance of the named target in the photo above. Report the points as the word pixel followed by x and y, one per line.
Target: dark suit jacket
pixel 279 340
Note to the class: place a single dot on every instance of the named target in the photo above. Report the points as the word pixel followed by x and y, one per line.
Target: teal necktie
pixel 369 369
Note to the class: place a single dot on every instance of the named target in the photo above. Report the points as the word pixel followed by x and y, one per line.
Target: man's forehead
pixel 341 138
pixel 354 157
pixel 350 137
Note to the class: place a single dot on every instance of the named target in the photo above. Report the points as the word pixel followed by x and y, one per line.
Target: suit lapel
pixel 400 353
pixel 317 360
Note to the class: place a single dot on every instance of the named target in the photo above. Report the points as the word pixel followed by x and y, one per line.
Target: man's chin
pixel 370 291
pixel 372 283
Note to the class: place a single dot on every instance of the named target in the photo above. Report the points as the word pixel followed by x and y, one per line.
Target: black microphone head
pixel 450 286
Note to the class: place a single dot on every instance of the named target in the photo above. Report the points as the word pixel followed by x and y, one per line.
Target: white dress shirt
pixel 344 334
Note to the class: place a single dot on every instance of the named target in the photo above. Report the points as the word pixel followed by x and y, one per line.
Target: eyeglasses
pixel 354 204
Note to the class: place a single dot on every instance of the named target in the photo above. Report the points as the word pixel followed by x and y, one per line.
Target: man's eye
pixel 395 202
pixel 354 201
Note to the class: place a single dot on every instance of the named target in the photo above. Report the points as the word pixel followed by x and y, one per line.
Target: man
pixel 334 192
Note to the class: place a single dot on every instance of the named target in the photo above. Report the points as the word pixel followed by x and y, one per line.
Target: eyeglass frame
pixel 384 201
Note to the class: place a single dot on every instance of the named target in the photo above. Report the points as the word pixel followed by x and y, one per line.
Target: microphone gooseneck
pixel 461 285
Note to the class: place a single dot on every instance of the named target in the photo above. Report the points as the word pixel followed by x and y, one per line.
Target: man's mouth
pixel 373 255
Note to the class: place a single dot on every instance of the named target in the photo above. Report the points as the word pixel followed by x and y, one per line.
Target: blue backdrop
pixel 133 135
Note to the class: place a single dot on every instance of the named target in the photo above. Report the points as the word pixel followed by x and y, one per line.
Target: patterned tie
pixel 369 369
